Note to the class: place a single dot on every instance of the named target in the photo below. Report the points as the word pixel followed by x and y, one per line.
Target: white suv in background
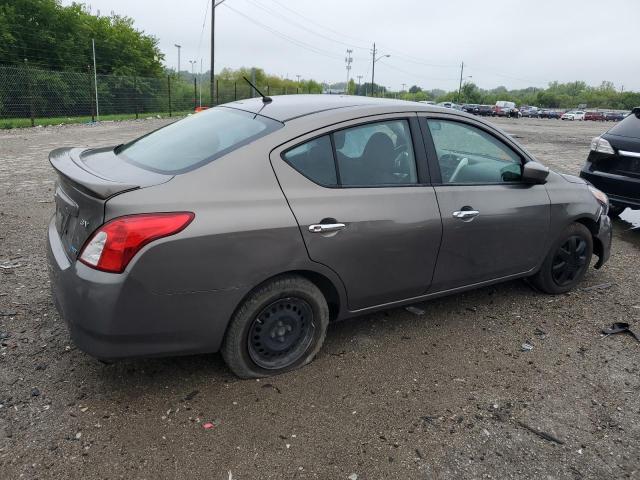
pixel 573 115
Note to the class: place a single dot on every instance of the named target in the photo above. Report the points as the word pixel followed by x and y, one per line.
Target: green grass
pixel 6 123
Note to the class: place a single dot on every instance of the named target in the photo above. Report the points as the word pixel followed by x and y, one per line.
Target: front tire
pixel 567 261
pixel 280 327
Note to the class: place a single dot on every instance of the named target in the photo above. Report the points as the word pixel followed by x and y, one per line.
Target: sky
pixel 515 43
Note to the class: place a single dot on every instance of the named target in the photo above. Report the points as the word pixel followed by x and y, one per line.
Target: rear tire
pixel 280 327
pixel 567 261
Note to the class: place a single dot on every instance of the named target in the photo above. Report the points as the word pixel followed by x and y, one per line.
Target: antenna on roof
pixel 265 99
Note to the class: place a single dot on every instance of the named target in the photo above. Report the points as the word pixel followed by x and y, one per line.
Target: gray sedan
pixel 247 228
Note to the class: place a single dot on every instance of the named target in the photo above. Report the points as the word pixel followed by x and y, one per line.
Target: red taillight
pixel 113 245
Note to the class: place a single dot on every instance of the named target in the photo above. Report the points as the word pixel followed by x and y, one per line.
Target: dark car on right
pixel 613 165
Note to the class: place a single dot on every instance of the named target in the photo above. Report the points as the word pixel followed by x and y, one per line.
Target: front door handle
pixel 326 227
pixel 466 214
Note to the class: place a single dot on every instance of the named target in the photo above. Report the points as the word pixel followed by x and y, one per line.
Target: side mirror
pixel 535 173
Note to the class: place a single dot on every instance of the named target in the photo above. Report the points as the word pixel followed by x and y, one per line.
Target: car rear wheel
pixel 567 261
pixel 279 327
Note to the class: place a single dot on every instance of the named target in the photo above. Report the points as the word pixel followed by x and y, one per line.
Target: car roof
pixel 284 108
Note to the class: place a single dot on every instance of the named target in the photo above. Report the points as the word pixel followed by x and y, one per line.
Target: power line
pixel 336 32
pixel 303 27
pixel 299 43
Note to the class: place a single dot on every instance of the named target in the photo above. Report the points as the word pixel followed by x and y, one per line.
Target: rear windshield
pixel 196 140
pixel 629 127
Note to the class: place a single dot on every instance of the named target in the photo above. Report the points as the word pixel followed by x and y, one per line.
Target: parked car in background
pixel 471 108
pixel 503 108
pixel 613 164
pixel 573 115
pixel 247 228
pixel 448 105
pixel 596 116
pixel 485 110
pixel 531 112
pixel 613 116
pixel 427 102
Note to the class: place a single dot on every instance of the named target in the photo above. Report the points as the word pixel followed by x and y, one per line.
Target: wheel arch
pixel 594 228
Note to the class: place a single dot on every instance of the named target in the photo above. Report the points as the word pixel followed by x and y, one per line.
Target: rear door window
pixel 196 140
pixel 629 127
pixel 378 153
pixel 369 155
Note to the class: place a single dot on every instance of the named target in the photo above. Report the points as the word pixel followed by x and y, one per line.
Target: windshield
pixel 196 140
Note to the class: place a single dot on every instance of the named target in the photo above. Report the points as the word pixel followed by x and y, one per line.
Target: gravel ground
pixel 447 394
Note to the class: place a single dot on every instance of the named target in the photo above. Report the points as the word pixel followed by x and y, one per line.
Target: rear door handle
pixel 466 214
pixel 326 227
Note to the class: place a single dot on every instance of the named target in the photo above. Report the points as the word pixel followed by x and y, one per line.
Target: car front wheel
pixel 567 261
pixel 280 327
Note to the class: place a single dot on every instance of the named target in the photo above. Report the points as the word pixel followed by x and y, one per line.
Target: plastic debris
pixel 415 310
pixel 602 286
pixel 527 346
pixel 353 476
pixel 620 327
pixel 208 425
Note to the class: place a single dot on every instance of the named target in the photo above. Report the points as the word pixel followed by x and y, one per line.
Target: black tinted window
pixel 196 140
pixel 376 154
pixel 467 154
pixel 314 160
pixel 629 127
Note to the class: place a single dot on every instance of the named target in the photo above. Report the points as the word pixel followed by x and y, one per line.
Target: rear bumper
pixel 622 191
pixel 113 316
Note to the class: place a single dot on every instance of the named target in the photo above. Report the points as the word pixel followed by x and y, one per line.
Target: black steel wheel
pixel 279 327
pixel 569 261
pixel 566 262
pixel 281 333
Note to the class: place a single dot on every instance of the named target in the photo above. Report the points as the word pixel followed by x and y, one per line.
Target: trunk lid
pixel 87 178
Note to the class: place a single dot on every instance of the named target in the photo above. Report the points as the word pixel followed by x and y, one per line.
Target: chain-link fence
pixel 30 96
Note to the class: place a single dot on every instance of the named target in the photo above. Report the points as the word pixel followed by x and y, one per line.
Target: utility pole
pixel 460 86
pixel 373 68
pixel 298 78
pixel 403 86
pixel 200 81
pixel 95 78
pixel 214 4
pixel 348 60
pixel 178 47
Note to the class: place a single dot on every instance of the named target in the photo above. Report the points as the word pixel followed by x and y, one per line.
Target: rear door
pixel 361 195
pixel 494 225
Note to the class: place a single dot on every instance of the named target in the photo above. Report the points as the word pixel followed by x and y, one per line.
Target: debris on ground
pixel 208 425
pixel 541 434
pixel 415 310
pixel 527 346
pixel 620 327
pixel 191 395
pixel 540 333
pixel 601 286
pixel 10 265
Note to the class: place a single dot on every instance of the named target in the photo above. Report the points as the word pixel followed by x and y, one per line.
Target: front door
pixel 363 207
pixel 494 225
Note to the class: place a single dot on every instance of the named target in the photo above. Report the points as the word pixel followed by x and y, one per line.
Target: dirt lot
pixel 448 394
